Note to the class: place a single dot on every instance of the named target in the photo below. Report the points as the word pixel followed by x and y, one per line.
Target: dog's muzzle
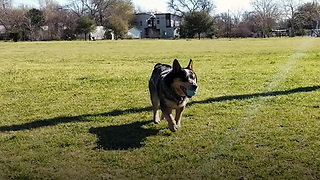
pixel 192 92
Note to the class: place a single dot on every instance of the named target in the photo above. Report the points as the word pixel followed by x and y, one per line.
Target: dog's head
pixel 184 80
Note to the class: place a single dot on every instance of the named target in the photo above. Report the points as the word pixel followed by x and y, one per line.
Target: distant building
pixel 2 29
pixel 100 33
pixel 2 32
pixel 161 25
pixel 134 33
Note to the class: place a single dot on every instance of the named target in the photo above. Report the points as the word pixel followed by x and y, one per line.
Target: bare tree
pixel 187 6
pixel 6 14
pixel 54 18
pixel 289 9
pixel 100 10
pixel 266 13
pixel 11 19
pixel 79 7
pixel 223 23
pixel 307 17
pixel 5 4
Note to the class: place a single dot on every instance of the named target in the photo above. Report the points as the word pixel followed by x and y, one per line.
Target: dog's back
pixel 158 72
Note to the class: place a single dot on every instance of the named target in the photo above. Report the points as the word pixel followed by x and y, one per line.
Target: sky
pixel 161 5
pixel 222 5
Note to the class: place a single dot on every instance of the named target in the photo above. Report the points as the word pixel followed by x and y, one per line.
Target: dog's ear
pixel 176 66
pixel 190 65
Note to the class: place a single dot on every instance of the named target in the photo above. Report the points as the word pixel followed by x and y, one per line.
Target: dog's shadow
pixel 122 137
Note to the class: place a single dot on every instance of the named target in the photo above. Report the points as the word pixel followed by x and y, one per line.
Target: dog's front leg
pixel 178 116
pixel 169 117
pixel 155 107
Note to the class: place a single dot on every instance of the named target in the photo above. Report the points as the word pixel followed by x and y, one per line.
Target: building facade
pixel 161 25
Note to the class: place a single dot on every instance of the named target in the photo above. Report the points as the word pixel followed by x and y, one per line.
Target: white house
pixel 97 34
pixel 2 32
pixel 134 33
pixel 2 29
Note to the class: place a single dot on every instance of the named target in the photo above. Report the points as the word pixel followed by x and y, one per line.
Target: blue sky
pixel 161 5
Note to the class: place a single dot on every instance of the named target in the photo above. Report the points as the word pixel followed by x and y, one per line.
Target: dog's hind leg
pixel 178 116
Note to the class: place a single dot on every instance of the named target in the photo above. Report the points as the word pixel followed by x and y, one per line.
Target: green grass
pixel 80 110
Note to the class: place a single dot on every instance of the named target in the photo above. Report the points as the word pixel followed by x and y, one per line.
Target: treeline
pixel 266 18
pixel 271 18
pixel 55 22
pixel 52 21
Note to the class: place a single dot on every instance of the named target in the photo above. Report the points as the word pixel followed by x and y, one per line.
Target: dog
pixel 170 88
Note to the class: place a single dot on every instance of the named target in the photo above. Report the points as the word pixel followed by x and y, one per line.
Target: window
pixel 168 20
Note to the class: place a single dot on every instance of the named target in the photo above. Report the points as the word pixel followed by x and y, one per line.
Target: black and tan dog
pixel 170 88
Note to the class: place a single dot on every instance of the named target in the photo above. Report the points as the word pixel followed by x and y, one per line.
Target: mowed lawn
pixel 81 110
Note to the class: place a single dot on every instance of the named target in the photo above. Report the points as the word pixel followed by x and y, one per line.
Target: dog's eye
pixel 186 79
pixel 192 76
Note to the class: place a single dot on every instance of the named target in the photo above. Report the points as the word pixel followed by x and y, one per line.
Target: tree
pixel 15 35
pixel 85 25
pixel 120 17
pixel 33 24
pixel 53 19
pixel 266 13
pixel 78 7
pixel 69 24
pixel 118 25
pixel 289 9
pixel 61 22
pixel 307 16
pixel 222 23
pixel 99 10
pixel 112 14
pixel 196 23
pixel 6 14
pixel 188 6
pixel 195 14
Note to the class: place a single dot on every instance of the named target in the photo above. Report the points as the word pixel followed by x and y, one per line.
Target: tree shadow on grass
pixel 122 137
pixel 68 119
pixel 255 95
pixel 118 112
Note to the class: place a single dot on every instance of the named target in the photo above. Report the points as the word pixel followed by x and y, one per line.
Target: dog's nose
pixel 194 87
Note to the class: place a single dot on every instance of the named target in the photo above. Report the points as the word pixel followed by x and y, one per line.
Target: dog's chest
pixel 174 104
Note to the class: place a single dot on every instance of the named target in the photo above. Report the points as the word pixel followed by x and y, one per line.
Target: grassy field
pixel 81 110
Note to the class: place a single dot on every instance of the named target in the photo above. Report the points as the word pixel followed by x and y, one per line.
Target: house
pixel 134 33
pixel 3 31
pixel 99 33
pixel 160 25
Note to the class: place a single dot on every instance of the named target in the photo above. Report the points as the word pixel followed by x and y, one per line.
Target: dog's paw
pixel 173 128
pixel 156 120
pixel 178 125
pixel 162 116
